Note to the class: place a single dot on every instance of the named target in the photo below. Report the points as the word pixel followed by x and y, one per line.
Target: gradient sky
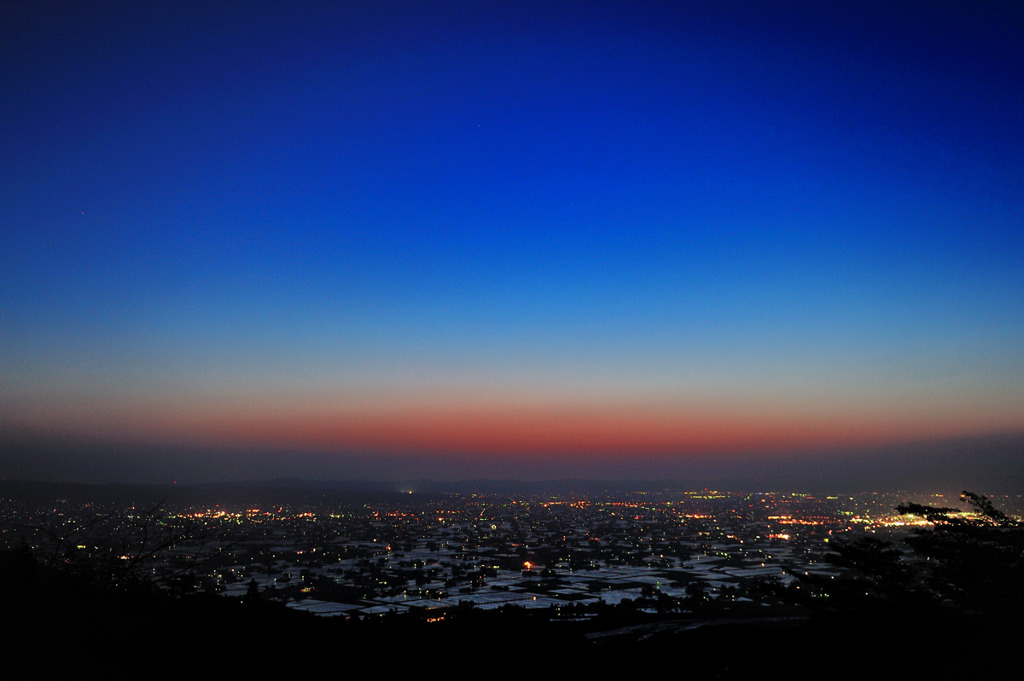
pixel 454 234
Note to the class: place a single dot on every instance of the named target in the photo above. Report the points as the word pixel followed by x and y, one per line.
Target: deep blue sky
pixel 438 229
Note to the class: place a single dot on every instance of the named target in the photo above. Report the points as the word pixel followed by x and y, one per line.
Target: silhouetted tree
pixel 882 572
pixel 975 561
pixel 967 562
pixel 252 593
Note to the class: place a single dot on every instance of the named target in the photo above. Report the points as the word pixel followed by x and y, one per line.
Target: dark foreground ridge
pixel 946 600
pixel 56 624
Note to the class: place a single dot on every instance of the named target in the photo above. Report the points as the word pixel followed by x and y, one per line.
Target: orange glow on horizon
pixel 560 430
pixel 491 427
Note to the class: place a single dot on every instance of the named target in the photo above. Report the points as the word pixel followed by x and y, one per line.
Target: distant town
pixel 429 554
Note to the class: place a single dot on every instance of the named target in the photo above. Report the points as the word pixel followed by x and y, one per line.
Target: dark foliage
pixel 973 562
pixel 968 561
pixel 945 603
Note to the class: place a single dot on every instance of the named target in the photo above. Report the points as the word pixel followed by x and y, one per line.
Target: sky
pixel 507 239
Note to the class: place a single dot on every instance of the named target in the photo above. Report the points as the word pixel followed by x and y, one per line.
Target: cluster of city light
pixel 254 515
pixel 790 520
pixel 890 521
pixel 571 504
pixel 706 495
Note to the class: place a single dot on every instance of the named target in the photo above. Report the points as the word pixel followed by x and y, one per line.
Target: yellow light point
pixel 528 565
